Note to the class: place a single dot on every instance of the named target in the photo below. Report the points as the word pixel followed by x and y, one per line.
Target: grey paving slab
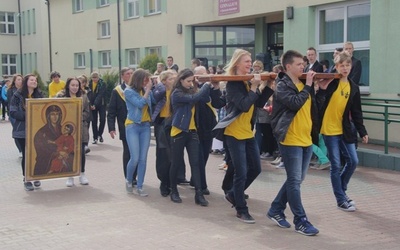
pixel 103 216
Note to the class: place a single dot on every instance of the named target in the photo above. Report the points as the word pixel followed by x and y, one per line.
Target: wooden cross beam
pixel 264 77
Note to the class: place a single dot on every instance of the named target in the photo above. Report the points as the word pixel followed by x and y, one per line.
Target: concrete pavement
pixel 103 216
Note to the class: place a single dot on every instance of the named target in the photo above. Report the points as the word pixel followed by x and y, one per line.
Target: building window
pixel 33 21
pixel 104 29
pixel 80 60
pixel 103 3
pixel 9 64
pixel 339 23
pixel 28 21
pixel 153 6
pixel 105 59
pixel 216 44
pixel 132 8
pixel 78 5
pixel 153 50
pixel 7 23
pixel 133 58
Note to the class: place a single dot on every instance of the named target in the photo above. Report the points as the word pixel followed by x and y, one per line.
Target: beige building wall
pixel 159 30
pixel 34 40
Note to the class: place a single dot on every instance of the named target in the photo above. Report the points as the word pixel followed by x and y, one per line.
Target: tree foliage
pixel 150 62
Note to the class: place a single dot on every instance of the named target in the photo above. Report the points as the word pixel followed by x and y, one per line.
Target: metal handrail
pixel 387 117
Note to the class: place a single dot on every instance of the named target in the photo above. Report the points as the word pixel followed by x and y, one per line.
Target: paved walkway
pixel 103 216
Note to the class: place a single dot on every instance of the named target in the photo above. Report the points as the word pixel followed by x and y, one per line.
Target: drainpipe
pixel 119 42
pixel 20 37
pixel 47 2
pixel 91 60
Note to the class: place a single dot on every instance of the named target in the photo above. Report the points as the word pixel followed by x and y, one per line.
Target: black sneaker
pixel 230 199
pixel 206 191
pixel 87 150
pixel 94 141
pixel 346 206
pixel 246 218
pixel 306 228
pixel 164 190
pixel 37 183
pixel 350 201
pixel 28 186
pixel 279 219
pixel 101 139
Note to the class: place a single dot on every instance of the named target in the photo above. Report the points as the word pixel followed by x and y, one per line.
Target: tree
pixel 150 62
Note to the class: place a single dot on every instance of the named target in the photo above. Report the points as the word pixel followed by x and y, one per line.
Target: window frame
pixel 80 60
pixel 135 4
pixel 6 23
pixel 224 46
pixel 78 3
pixel 105 4
pixel 157 8
pixel 107 53
pixel 108 29
pixel 8 64
pixel 328 48
pixel 157 49
pixel 137 57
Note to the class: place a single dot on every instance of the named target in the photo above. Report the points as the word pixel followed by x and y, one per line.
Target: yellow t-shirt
pixel 165 111
pixel 175 131
pixel 240 128
pixel 94 86
pixel 299 131
pixel 332 124
pixel 54 88
pixel 145 114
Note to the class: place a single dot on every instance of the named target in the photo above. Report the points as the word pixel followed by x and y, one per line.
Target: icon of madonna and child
pixel 54 143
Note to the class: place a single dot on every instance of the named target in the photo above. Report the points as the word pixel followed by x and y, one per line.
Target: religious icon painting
pixel 53 138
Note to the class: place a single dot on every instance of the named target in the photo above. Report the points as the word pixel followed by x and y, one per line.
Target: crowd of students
pixel 289 114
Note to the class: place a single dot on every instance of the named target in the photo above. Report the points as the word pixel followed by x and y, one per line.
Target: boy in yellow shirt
pixel 294 126
pixel 56 84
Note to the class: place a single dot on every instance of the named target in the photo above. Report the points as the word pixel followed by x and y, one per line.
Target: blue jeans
pixel 296 161
pixel 245 157
pixel 340 177
pixel 138 139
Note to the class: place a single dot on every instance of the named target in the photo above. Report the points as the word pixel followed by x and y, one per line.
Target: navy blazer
pixel 317 67
pixel 356 68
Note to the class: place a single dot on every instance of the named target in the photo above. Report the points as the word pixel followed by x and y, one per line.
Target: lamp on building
pixel 179 28
pixel 289 12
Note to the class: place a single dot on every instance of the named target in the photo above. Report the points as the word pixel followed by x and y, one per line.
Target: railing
pixel 381 112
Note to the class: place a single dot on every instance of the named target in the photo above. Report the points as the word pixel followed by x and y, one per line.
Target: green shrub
pixel 150 62
pixel 111 79
pixel 44 88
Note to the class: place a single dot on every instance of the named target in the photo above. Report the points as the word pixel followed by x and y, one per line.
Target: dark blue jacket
pixel 182 104
pixel 239 100
pixel 18 112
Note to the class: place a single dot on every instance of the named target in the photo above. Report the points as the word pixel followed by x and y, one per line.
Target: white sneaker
pixel 141 193
pixel 222 165
pixel 83 180
pixel 265 155
pixel 70 182
pixel 276 161
pixel 281 165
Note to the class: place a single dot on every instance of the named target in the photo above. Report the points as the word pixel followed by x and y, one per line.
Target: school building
pixel 76 37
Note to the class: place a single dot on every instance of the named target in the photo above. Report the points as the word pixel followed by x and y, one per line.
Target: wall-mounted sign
pixel 226 7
